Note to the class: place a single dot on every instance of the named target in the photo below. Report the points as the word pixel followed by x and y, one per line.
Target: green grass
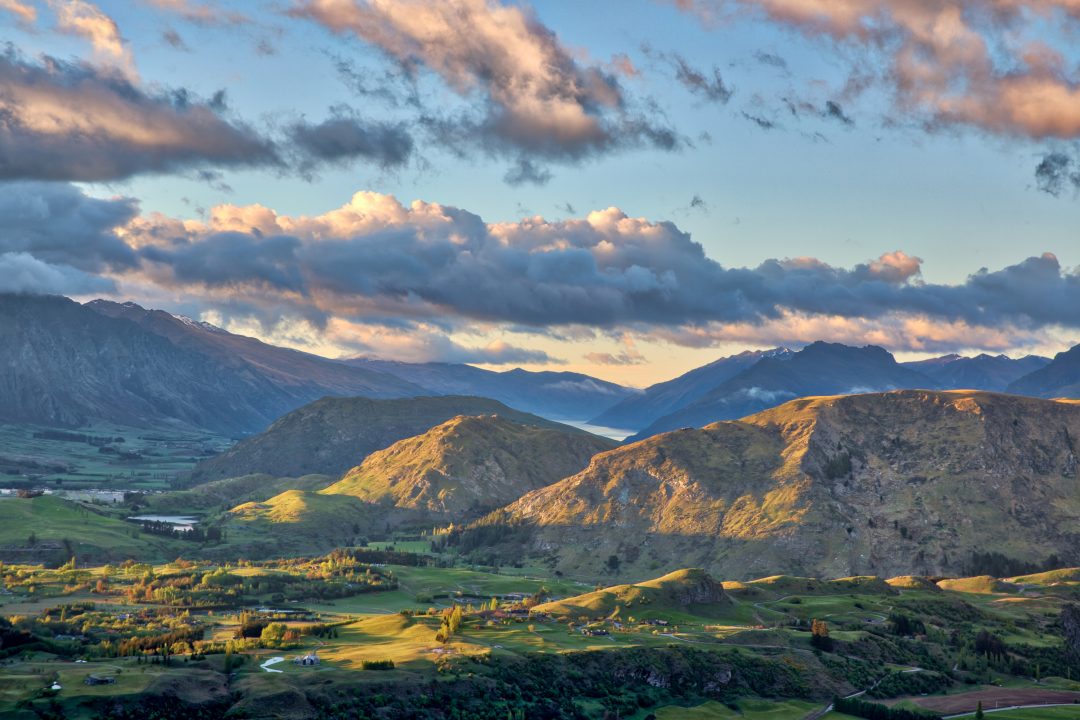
pixel 89 530
pixel 748 709
pixel 166 454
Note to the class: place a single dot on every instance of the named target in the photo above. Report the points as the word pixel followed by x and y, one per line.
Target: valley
pixel 903 551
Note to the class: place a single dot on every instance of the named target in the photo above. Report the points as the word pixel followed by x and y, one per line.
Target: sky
pixel 628 189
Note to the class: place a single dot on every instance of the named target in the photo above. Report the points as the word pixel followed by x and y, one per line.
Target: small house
pixel 311 658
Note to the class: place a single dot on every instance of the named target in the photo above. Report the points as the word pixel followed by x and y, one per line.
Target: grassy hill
pixel 331 435
pixel 468 465
pixel 50 529
pixel 899 483
pixel 302 521
pixel 688 591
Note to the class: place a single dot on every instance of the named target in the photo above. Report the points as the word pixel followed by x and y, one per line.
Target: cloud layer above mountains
pixel 378 260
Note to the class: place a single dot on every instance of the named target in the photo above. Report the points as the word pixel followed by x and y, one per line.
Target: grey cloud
pixel 771 59
pixel 1056 173
pixel 233 259
pixel 174 40
pixel 526 171
pixel 345 137
pixel 95 138
pixel 23 273
pixel 57 223
pixel 709 85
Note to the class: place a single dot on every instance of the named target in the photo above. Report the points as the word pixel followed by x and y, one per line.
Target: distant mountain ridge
pixel 820 368
pixel 639 411
pixel 556 395
pixel 68 364
pixel 1058 378
pixel 982 372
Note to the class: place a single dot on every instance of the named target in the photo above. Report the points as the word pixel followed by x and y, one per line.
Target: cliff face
pixel 908 482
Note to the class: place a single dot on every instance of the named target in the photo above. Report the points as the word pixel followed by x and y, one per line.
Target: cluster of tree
pixel 451 623
pixel 875 711
pixel 197 533
pixel 990 645
pixel 819 636
pixel 377 664
pixel 997 565
pixel 906 625
pixel 141 644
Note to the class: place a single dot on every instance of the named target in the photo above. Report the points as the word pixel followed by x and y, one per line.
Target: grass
pixel 748 709
pixel 165 454
pixel 89 530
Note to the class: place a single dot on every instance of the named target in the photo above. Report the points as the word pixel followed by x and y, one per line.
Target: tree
pixel 613 563
pixel 819 635
pixel 979 714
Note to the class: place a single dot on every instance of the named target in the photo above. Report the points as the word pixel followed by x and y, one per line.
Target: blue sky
pixel 802 138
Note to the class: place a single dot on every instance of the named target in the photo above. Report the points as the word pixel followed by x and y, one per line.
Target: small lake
pixel 179 522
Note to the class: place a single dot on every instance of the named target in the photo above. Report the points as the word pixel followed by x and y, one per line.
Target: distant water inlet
pixel 183 523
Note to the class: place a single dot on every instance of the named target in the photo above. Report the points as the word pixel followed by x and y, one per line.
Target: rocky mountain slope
pixel 656 401
pixel 469 465
pixel 66 364
pixel 556 395
pixel 982 372
pixel 907 482
pixel 818 369
pixel 331 435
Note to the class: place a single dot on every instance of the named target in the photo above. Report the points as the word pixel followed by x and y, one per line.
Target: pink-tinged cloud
pixel 26 14
pixel 970 62
pixel 87 20
pixel 537 97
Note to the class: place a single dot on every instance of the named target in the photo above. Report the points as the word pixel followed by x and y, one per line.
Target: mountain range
pixel 885 484
pixel 70 364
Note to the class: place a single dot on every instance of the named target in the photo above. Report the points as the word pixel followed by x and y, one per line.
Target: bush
pixel 377 664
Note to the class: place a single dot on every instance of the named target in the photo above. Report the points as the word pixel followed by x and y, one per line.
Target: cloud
pixel 376 262
pixel 59 224
pixel 979 63
pixel 86 20
pixel 173 39
pixel 708 85
pixel 527 94
pixel 198 13
pixel 26 14
pixel 345 137
pixel 771 59
pixel 629 355
pixel 66 121
pixel 526 171
pixel 24 273
pixel 1056 173
pixel 762 122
